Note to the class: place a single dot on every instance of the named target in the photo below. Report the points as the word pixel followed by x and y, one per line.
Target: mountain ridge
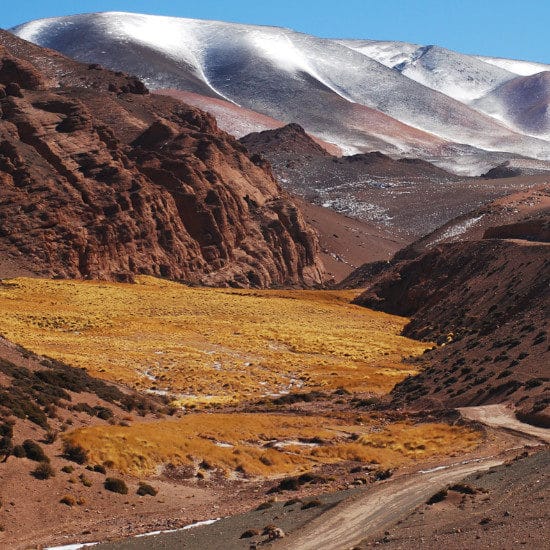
pixel 295 77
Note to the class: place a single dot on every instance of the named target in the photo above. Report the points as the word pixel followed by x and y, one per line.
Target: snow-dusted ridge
pixel 396 97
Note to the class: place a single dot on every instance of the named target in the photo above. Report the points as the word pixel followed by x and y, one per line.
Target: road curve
pixel 501 416
pixel 347 524
pixel 352 520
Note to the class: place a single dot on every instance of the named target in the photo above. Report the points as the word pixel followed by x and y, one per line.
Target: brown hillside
pixel 103 180
pixel 487 302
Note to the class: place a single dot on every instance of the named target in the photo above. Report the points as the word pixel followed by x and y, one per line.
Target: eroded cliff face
pixel 107 181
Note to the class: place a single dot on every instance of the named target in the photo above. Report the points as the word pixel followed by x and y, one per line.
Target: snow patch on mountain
pixel 521 68
pixel 362 94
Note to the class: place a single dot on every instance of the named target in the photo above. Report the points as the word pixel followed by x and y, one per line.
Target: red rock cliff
pixel 103 180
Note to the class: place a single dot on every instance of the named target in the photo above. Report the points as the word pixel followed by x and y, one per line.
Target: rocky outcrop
pixel 106 181
pixel 18 72
pixel 533 229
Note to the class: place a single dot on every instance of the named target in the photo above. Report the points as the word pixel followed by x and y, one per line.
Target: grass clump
pixel 74 452
pixel 85 481
pixel 440 496
pixel 44 470
pixel 68 500
pixel 311 504
pixel 19 451
pixel 265 505
pixel 463 488
pixel 249 533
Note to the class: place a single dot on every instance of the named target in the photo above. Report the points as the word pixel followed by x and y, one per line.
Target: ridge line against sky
pixel 498 28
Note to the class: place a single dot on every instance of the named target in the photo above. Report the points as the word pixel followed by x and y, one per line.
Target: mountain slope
pixel 408 197
pixel 330 87
pixel 462 77
pixel 487 301
pixel 523 102
pixel 107 181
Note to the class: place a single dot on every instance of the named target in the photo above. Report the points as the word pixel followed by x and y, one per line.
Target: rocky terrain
pixel 506 503
pixel 522 213
pixel 487 302
pixel 405 196
pixel 103 180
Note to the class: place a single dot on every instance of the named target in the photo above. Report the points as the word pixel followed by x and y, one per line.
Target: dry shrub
pixel 33 451
pixel 44 470
pixel 440 496
pixel 75 453
pixel 145 489
pixel 116 485
pixel 311 504
pixel 68 500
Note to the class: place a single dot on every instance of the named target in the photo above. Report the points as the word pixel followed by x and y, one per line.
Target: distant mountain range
pixel 464 113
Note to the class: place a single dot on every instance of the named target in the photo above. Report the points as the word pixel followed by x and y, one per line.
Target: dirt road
pixel 501 416
pixel 370 512
pixel 349 522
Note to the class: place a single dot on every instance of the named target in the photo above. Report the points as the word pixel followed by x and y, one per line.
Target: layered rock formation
pixel 103 180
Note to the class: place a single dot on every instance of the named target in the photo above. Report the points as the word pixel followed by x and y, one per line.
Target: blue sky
pixel 506 28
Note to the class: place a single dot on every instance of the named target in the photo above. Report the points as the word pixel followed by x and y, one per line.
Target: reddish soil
pixel 347 243
pixel 105 181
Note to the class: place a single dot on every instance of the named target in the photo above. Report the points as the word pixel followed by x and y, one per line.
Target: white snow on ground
pixel 186 528
pixel 386 52
pixel 457 229
pixel 76 546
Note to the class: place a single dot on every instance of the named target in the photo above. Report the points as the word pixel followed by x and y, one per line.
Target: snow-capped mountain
pixel 399 98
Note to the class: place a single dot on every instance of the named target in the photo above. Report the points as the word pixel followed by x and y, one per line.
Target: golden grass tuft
pixel 208 345
pixel 244 442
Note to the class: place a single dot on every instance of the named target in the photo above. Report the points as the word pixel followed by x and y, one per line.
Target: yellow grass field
pixel 237 443
pixel 205 344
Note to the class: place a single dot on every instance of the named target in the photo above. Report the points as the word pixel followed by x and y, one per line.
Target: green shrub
pixel 68 469
pixel 100 469
pixel 116 485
